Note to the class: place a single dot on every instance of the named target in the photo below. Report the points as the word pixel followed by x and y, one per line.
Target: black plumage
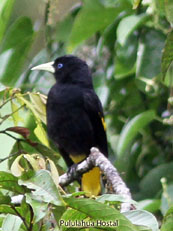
pixel 74 112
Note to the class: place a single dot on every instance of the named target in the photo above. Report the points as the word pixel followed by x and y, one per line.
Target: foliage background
pixel 128 46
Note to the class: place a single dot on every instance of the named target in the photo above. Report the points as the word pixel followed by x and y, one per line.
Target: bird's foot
pixel 72 171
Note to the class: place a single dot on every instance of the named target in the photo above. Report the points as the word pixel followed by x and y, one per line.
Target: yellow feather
pixel 103 122
pixel 77 158
pixel 90 180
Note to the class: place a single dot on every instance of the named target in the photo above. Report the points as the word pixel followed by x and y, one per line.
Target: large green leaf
pixel 131 129
pixel 11 222
pixel 114 199
pixel 92 18
pixel 71 215
pixel 6 209
pixel 5 11
pixel 167 198
pixel 40 208
pixel 39 103
pixel 169 10
pixel 160 6
pixel 127 25
pixel 149 54
pixel 98 211
pixel 167 56
pixel 125 58
pixel 5 199
pixel 39 113
pixel 167 222
pixel 143 218
pixel 153 177
pixel 150 205
pixel 44 188
pixel 18 41
pixel 10 182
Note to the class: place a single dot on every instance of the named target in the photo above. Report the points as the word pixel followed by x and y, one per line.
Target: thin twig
pixel 8 157
pixel 22 218
pixel 13 137
pixel 31 219
pixel 7 116
pixel 8 100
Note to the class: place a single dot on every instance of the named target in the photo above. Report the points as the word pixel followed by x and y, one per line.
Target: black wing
pixel 94 110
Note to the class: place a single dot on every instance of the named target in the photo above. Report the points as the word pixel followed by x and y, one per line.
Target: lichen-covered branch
pixel 96 158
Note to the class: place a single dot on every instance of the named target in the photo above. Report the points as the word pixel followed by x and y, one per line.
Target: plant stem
pixel 22 218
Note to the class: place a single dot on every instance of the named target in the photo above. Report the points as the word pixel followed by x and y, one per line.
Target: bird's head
pixel 68 69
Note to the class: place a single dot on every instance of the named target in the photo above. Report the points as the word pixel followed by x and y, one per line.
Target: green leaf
pixel 153 179
pixel 99 211
pixel 64 28
pixel 5 11
pixel 91 18
pixel 5 199
pixel 109 3
pixel 125 58
pixel 39 130
pixel 169 10
pixel 10 182
pixel 54 172
pixel 58 212
pixel 128 24
pixel 167 224
pixel 149 54
pixel 47 152
pixel 149 205
pixel 168 80
pixel 15 113
pixel 18 32
pixel 33 162
pixel 136 3
pixel 11 222
pixel 22 31
pixel 167 56
pixel 16 168
pixel 71 215
pixel 41 133
pixel 160 6
pixel 40 208
pixel 39 105
pixel 6 209
pixel 143 218
pixel 131 129
pixel 114 198
pixel 44 188
pixel 167 199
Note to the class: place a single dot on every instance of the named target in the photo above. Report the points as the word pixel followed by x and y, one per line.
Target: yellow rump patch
pixel 91 182
pixel 77 158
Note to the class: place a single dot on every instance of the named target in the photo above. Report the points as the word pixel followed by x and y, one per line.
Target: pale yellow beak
pixel 45 67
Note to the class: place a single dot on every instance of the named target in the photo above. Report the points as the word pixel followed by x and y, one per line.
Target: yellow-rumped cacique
pixel 75 120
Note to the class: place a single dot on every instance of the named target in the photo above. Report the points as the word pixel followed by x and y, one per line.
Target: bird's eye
pixel 60 65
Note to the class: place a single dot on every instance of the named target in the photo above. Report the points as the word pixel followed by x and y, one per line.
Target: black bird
pixel 75 119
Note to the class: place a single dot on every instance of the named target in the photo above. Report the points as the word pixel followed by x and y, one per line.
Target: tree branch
pixel 96 158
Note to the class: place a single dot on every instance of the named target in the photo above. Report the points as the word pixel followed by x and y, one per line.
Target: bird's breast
pixel 64 108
